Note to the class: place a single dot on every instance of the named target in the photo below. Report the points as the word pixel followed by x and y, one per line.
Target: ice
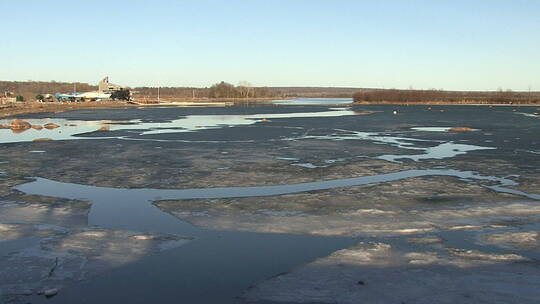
pixel 432 129
pixel 440 151
pixel 528 240
pixel 376 272
pixel 71 129
pixel 477 255
pixel 63 256
pixel 308 165
pixel 445 150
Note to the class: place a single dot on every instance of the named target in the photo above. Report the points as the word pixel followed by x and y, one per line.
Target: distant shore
pixel 444 104
pixel 14 109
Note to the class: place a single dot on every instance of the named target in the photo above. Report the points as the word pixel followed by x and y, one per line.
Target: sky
pixel 420 44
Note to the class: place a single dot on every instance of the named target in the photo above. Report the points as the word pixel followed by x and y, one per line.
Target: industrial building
pixel 106 91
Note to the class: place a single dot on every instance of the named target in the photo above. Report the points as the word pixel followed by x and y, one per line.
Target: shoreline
pixel 439 226
pixel 9 110
pixel 445 104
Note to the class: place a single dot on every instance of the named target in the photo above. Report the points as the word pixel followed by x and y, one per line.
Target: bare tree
pixel 245 88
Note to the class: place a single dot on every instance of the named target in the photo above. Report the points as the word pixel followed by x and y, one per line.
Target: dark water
pixel 217 266
pixel 313 101
pixel 131 209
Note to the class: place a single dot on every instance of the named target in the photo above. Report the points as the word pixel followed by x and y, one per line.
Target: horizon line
pixel 410 88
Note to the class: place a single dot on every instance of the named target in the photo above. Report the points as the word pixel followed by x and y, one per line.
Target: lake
pixel 221 204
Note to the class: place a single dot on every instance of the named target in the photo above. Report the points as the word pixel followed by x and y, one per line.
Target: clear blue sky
pixel 475 44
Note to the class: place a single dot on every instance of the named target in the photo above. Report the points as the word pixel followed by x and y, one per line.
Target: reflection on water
pixel 307 165
pixel 440 151
pixel 74 130
pixel 446 150
pixel 288 158
pixel 66 131
pixel 313 101
pixel 400 142
pixel 432 129
pixel 200 122
pixel 528 114
pixel 225 262
pixel 243 258
pixel 440 129
pixel 69 129
pixel 131 209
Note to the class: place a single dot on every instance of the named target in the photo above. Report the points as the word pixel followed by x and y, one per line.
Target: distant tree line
pixel 243 90
pixel 171 92
pixel 219 90
pixel 440 96
pixel 30 89
pixel 314 92
pixel 246 90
